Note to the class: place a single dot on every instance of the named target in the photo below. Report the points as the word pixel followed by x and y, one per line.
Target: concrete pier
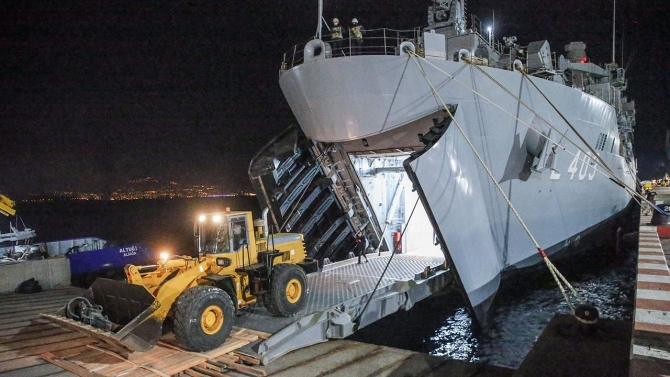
pixel 650 345
pixel 51 273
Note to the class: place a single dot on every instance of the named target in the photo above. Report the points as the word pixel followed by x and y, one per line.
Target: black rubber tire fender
pixel 288 290
pixel 203 318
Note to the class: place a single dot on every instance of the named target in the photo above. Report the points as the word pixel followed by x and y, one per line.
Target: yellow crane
pixel 7 206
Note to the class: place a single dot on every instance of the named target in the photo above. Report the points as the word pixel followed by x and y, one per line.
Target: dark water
pixel 525 304
pixel 438 326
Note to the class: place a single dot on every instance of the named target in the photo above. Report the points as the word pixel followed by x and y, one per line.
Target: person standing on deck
pixel 356 32
pixel 336 37
pixel 361 245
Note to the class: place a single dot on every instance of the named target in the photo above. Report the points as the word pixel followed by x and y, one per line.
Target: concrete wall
pixel 51 273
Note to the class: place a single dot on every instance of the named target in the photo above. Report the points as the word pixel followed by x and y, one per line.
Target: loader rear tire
pixel 287 295
pixel 203 318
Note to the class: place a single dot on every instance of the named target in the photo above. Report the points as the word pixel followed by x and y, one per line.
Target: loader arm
pixel 141 332
pixel 169 292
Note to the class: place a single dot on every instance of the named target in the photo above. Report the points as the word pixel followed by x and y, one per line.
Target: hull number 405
pixel 580 166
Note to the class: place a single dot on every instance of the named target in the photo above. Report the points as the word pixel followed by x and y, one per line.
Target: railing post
pixel 293 59
pixel 384 41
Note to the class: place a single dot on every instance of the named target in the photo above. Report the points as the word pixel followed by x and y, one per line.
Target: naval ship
pixel 432 140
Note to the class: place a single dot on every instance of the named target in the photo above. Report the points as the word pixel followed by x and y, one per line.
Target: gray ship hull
pixel 380 103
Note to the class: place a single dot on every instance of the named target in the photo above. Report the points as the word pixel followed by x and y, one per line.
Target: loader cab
pixel 221 232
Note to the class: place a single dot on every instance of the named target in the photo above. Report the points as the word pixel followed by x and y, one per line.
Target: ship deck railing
pixel 375 42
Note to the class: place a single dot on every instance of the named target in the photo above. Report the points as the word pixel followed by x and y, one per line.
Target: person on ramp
pixel 361 246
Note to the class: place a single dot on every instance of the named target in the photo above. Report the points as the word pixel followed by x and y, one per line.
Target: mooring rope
pixel 598 160
pixel 558 277
pixel 357 320
pixel 520 101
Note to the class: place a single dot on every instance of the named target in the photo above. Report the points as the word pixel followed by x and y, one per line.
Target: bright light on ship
pixel 216 218
pixel 165 256
pixel 202 218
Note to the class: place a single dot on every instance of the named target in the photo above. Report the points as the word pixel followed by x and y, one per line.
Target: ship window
pixel 600 144
pixel 613 141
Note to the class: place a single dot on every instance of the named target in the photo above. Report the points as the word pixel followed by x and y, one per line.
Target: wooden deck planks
pixel 30 345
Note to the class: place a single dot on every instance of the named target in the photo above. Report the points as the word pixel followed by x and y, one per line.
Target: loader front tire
pixel 287 295
pixel 203 318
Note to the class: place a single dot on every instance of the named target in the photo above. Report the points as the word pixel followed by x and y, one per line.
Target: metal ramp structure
pixel 337 297
pixel 312 189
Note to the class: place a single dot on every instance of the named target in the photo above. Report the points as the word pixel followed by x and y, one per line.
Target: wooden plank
pixel 242 336
pixel 117 369
pixel 32 351
pixel 69 352
pixel 69 366
pixel 91 331
pixel 6 308
pixel 47 306
pixel 260 334
pixel 177 363
pixel 152 355
pixel 36 342
pixel 131 364
pixel 21 317
pixel 9 365
pixel 192 373
pixel 44 369
pixel 12 317
pixel 31 335
pixel 62 374
pixel 25 329
pixel 247 358
pixel 209 371
pixel 28 320
pixel 25 338
pixel 224 363
pixel 229 345
pixel 30 302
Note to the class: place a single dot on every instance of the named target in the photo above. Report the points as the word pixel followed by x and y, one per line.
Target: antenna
pixel 318 23
pixel 623 34
pixel 614 33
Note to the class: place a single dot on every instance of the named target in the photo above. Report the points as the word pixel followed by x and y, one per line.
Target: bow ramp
pixel 338 301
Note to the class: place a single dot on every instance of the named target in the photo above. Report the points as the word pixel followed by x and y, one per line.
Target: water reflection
pixel 455 339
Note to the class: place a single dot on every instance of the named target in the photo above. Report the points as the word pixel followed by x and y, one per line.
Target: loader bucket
pixel 131 308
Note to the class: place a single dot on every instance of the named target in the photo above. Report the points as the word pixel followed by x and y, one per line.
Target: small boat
pixel 89 256
pixel 16 235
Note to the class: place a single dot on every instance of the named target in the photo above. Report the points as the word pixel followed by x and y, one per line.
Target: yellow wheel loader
pixel 237 265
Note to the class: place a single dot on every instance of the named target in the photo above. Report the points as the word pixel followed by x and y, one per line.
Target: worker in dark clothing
pixel 336 37
pixel 361 245
pixel 356 32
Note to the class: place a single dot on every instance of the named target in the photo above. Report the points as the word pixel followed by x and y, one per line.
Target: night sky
pixel 97 93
